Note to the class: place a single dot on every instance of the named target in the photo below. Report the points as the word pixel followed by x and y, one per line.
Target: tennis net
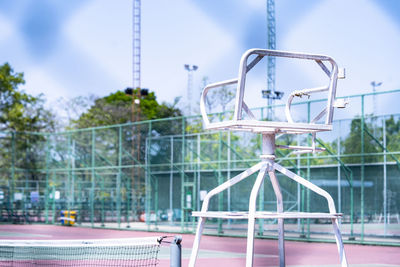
pixel 95 252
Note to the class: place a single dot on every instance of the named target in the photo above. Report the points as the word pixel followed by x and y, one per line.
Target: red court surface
pixel 223 251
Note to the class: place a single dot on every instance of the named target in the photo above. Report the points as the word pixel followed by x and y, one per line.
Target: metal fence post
pixel 220 181
pixel 53 194
pixel 12 172
pixel 119 176
pixel 339 180
pixel 261 200
pixel 308 170
pixel 362 168
pixel 92 177
pixel 171 178
pixel 47 191
pixel 384 179
pixel 299 190
pixel 68 183
pixel 183 176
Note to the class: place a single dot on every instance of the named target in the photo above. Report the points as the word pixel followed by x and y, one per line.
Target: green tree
pixel 118 108
pixel 20 111
pixel 124 107
pixel 352 144
pixel 393 134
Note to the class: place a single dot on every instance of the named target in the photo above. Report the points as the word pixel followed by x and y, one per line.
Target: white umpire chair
pixel 244 120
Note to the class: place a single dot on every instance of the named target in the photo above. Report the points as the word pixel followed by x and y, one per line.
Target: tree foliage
pixel 352 143
pixel 20 111
pixel 393 134
pixel 118 108
pixel 220 98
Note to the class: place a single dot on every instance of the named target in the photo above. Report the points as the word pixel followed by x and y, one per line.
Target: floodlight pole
pixel 136 94
pixel 190 69
pixel 271 95
pixel 374 86
pixel 136 75
pixel 375 104
pixel 135 117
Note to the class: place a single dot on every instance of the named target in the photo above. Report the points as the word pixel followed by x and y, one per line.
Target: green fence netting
pixel 151 175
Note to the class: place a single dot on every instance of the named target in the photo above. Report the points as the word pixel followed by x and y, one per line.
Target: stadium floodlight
pixel 272 95
pixel 375 84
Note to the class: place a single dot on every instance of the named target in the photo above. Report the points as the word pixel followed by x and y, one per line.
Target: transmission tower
pixel 271 44
pixel 136 42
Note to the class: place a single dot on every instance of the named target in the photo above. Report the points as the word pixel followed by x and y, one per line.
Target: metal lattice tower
pixel 271 44
pixel 136 42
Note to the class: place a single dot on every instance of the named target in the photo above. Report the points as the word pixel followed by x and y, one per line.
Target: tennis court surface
pixel 219 251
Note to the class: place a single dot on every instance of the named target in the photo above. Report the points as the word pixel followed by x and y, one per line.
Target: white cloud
pixel 257 4
pixel 38 80
pixel 102 30
pixel 177 33
pixel 173 34
pixel 12 45
pixel 6 29
pixel 358 34
pixel 98 40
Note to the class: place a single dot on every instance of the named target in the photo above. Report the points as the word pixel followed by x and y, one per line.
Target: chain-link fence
pixel 151 175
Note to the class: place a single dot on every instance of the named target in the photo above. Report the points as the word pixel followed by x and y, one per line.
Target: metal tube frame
pixel 245 67
pixel 267 165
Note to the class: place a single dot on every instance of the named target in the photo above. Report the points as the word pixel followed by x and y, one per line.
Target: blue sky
pixel 82 47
